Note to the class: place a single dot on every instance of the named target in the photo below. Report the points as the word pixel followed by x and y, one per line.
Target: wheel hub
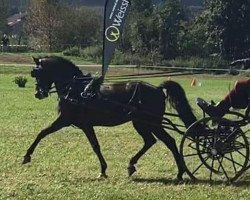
pixel 214 152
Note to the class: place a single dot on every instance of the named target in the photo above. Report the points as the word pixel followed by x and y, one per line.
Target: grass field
pixel 64 166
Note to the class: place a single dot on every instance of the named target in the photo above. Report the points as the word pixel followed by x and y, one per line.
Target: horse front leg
pixel 59 123
pixel 90 133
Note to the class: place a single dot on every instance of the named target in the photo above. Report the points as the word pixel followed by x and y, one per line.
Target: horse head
pixel 49 70
pixel 43 80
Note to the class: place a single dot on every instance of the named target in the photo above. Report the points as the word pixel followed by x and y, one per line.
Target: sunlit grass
pixel 65 167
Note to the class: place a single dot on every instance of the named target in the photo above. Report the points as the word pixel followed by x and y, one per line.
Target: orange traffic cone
pixel 193 83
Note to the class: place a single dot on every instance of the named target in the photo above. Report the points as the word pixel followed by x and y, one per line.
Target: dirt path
pixel 6 58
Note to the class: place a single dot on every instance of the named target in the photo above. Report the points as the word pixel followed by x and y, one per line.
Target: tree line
pixel 164 31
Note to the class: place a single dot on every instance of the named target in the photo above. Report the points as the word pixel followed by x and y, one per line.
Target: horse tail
pixel 176 97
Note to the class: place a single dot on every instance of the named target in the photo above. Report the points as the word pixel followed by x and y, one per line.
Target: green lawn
pixel 64 166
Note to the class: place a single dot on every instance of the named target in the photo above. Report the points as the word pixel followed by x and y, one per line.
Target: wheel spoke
pixel 195 154
pixel 233 161
pixel 199 166
pixel 190 138
pixel 191 145
pixel 242 154
pixel 231 155
pixel 239 143
pixel 239 135
pixel 230 135
pixel 221 165
pixel 211 171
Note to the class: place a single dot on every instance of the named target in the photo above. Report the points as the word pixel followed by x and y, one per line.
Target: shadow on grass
pixel 240 183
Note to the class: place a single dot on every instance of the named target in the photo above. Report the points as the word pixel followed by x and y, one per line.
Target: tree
pixel 87 26
pixel 81 27
pixel 138 31
pixel 58 26
pixel 43 22
pixel 228 27
pixel 3 15
pixel 195 40
pixel 154 29
pixel 144 7
pixel 168 19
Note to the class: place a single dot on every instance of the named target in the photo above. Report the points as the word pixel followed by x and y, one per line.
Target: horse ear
pixel 36 60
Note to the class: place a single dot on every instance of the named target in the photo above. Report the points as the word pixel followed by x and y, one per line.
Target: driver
pixel 238 98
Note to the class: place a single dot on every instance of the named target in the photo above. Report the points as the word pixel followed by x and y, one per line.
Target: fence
pixel 14 48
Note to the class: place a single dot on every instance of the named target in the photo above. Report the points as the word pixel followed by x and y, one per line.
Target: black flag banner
pixel 114 17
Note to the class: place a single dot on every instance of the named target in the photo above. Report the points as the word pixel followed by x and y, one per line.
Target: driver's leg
pixel 236 98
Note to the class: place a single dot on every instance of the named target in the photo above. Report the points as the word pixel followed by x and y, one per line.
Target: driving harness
pixel 83 90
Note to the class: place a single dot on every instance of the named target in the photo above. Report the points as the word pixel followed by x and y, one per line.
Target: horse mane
pixel 63 64
pixel 176 96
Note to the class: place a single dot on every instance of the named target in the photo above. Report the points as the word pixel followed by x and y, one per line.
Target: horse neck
pixel 61 87
pixel 62 82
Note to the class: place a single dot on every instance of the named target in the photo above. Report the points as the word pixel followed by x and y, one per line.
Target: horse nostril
pixel 37 95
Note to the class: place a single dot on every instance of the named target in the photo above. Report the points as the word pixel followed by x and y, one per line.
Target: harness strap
pixel 136 91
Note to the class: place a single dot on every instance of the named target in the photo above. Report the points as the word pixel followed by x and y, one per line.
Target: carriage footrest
pixel 207 108
pixel 203 105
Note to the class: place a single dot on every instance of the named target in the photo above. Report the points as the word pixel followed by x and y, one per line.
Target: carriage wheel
pixel 215 148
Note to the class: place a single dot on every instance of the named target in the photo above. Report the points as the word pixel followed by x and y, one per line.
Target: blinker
pixel 35 72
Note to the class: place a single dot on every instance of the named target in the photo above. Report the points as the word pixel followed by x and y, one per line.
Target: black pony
pixel 114 104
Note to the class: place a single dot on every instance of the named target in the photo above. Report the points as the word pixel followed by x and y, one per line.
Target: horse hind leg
pixel 59 123
pixel 162 135
pixel 149 141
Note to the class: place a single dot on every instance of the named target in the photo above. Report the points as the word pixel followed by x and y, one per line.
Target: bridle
pixel 42 90
pixel 44 81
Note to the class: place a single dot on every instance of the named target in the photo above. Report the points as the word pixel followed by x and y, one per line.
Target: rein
pixel 64 88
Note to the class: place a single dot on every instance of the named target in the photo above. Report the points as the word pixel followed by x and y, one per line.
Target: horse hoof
pixel 26 159
pixel 131 170
pixel 179 178
pixel 193 178
pixel 102 175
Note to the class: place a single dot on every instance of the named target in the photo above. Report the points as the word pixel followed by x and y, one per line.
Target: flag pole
pixel 103 38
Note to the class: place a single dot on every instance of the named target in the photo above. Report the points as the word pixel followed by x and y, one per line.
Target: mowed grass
pixel 65 167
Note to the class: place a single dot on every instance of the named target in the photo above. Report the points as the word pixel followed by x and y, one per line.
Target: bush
pixel 20 81
pixel 92 53
pixel 74 51
pixel 131 59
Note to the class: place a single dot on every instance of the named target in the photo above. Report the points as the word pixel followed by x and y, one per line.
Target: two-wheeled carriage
pixel 217 148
